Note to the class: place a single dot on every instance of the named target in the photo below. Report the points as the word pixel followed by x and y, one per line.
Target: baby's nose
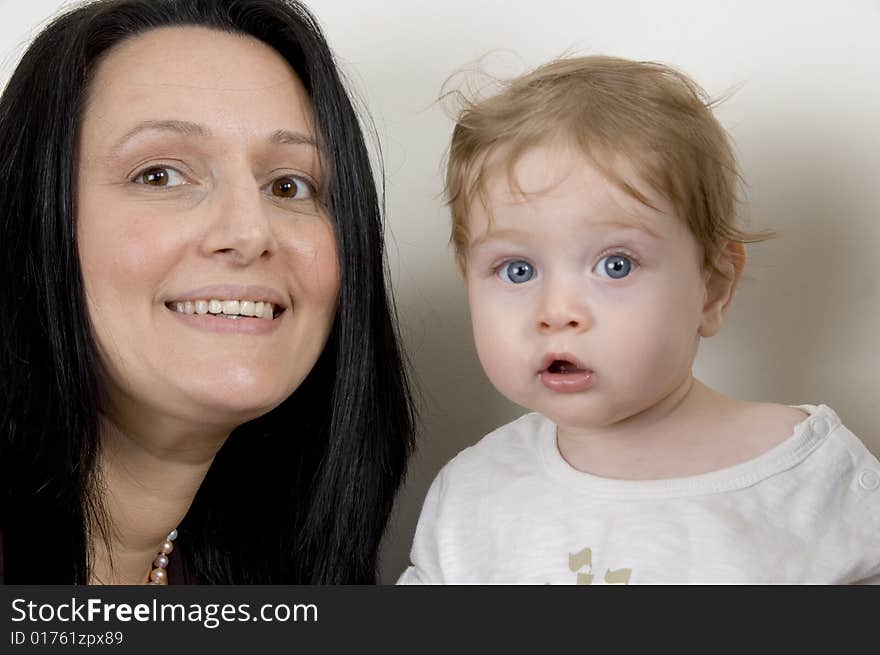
pixel 563 312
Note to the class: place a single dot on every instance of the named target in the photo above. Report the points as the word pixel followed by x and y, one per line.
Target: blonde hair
pixel 654 116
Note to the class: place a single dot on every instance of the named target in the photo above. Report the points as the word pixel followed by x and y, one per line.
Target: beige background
pixel 806 120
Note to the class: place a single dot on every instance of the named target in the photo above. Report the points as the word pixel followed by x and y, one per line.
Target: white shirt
pixel 511 510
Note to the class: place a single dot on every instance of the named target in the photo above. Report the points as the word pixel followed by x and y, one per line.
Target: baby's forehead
pixel 550 179
pixel 512 175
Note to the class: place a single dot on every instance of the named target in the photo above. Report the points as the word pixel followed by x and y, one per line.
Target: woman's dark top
pixel 177 575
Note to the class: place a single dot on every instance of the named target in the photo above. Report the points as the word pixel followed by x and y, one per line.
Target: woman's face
pixel 209 260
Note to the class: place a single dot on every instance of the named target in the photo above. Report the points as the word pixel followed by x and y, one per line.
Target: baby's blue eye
pixel 614 267
pixel 517 272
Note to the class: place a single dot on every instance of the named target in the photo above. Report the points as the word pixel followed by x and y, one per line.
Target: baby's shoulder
pixel 775 420
pixel 509 447
pixel 759 427
pixel 816 438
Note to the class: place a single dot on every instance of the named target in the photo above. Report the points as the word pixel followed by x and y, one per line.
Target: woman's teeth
pixel 226 308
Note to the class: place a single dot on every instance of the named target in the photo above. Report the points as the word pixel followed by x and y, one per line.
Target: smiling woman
pixel 212 357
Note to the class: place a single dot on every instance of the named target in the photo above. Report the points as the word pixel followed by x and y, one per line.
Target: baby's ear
pixel 720 286
pixel 460 266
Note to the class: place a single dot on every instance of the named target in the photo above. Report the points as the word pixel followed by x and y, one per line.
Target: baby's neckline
pixel 806 437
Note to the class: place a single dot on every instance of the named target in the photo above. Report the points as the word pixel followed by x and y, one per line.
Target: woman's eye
pixel 614 267
pixel 517 272
pixel 160 176
pixel 290 186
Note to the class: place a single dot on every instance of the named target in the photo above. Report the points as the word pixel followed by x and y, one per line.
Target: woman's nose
pixel 240 228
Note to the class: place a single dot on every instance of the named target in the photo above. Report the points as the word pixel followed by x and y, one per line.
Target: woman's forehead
pixel 220 81
pixel 221 59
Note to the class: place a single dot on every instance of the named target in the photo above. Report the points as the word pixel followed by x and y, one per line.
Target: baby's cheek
pixel 661 347
pixel 489 340
pixel 499 348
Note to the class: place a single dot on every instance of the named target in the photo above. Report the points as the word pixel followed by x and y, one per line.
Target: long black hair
pixel 299 495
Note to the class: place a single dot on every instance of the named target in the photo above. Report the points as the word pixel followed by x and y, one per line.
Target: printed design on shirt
pixel 584 560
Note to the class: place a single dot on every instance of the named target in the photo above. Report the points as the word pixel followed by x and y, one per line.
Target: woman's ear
pixel 720 286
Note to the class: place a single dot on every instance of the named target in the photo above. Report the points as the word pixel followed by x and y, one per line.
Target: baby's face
pixel 586 304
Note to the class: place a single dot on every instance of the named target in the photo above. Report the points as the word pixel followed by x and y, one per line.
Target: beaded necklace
pixel 159 576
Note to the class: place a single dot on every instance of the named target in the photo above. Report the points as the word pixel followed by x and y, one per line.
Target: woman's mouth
pixel 228 309
pixel 233 316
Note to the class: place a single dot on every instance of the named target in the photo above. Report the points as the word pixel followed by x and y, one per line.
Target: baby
pixel 593 206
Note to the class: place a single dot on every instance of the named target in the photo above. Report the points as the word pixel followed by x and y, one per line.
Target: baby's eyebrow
pixel 497 235
pixel 517 235
pixel 627 225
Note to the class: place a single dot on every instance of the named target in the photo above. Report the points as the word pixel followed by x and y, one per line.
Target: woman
pixel 196 336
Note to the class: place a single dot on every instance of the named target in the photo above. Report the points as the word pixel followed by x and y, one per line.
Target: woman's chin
pixel 227 405
pixel 218 400
pixel 239 389
pixel 235 409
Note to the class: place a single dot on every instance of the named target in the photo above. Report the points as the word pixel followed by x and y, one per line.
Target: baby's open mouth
pixel 564 366
pixel 562 372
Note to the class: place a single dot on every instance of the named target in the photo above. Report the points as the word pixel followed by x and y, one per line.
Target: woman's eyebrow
pixel 290 137
pixel 185 128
